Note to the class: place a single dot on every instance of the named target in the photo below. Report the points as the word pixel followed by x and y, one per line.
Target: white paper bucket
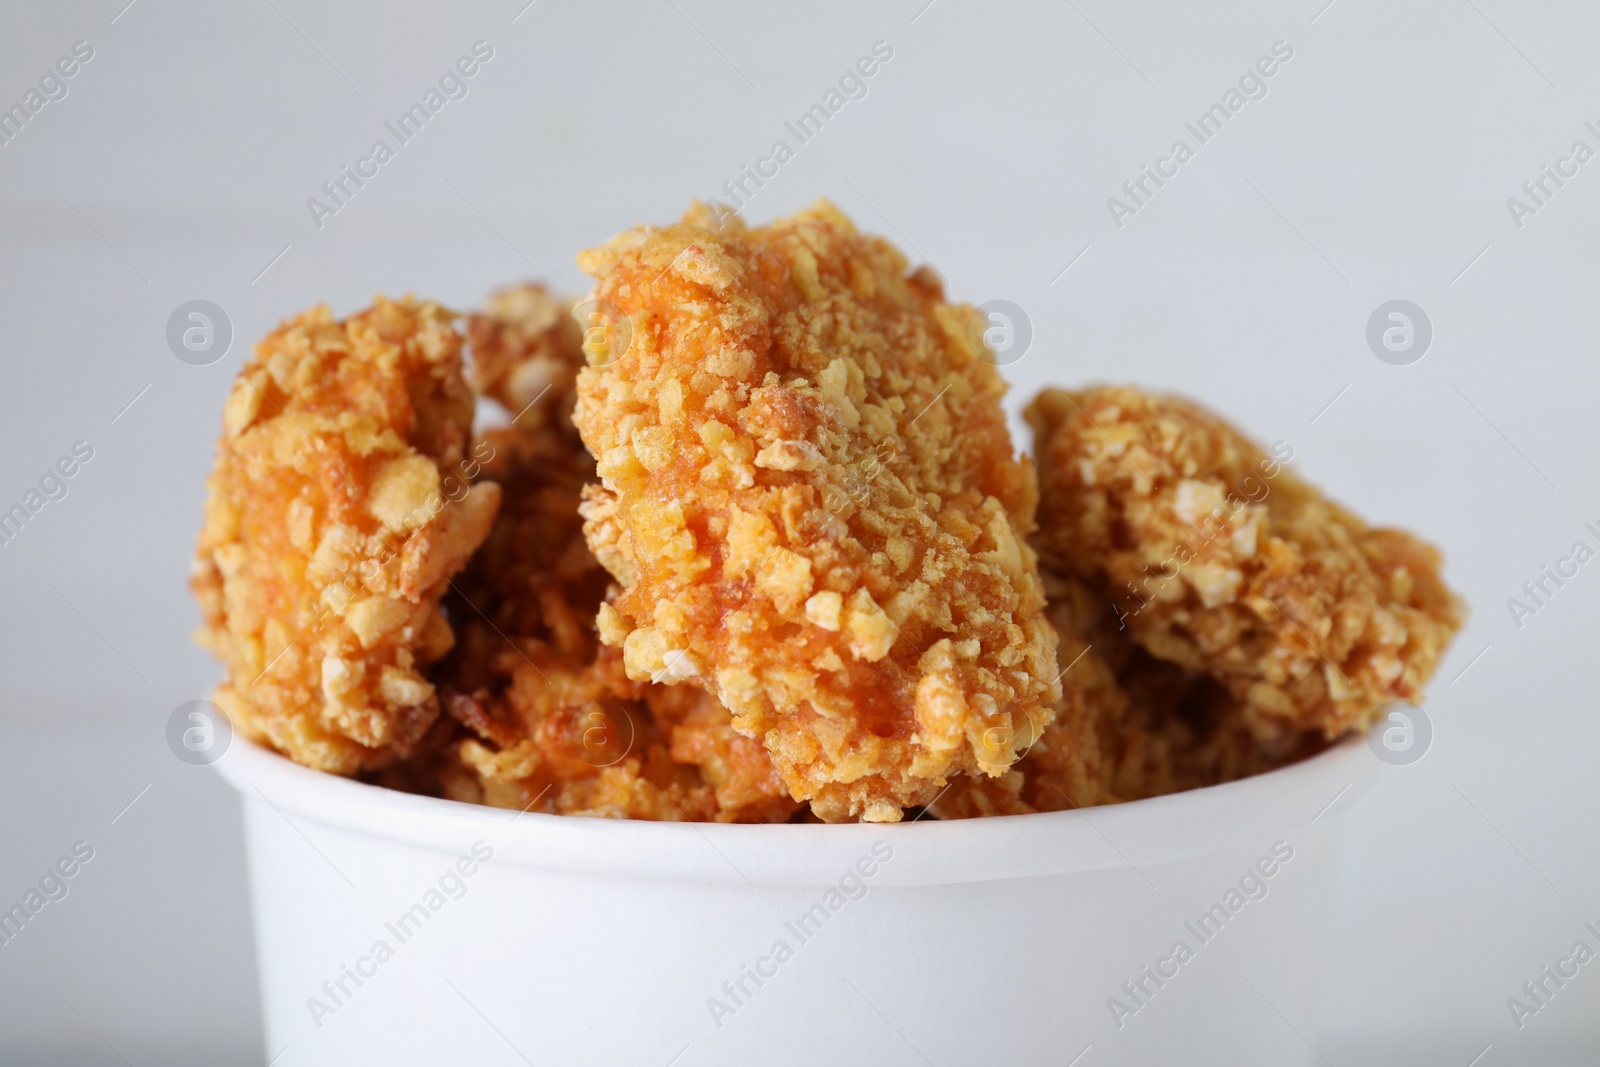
pixel 395 929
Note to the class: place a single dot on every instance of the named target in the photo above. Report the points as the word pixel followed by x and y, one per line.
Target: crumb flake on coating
pixel 1225 564
pixel 811 497
pixel 334 519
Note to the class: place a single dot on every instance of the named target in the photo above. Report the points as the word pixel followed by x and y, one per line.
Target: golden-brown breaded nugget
pixel 812 500
pixel 1225 564
pixel 336 516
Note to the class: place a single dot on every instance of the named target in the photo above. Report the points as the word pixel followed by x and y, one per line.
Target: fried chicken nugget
pixel 811 499
pixel 334 520
pixel 1226 565
pixel 557 725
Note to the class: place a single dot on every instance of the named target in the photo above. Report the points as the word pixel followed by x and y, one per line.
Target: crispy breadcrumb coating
pixel 1225 564
pixel 746 786
pixel 589 741
pixel 571 740
pixel 814 505
pixel 335 518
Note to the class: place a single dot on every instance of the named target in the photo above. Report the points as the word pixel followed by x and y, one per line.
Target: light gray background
pixel 1377 167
